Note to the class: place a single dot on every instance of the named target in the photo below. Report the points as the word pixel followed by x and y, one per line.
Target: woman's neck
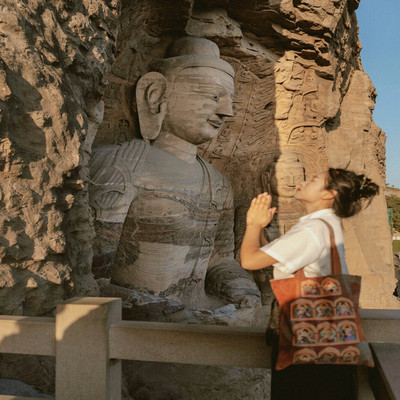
pixel 313 207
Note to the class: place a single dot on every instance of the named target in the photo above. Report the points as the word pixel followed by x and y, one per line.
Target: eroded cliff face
pixel 299 87
pixel 54 57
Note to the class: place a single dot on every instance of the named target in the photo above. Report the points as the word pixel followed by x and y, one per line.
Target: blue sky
pixel 380 37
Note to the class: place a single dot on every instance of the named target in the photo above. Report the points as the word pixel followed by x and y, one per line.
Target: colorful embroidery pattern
pixel 317 321
pixel 312 288
pixel 328 355
pixel 307 334
pixel 319 309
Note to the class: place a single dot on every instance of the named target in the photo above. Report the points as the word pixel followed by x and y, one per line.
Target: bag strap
pixel 336 265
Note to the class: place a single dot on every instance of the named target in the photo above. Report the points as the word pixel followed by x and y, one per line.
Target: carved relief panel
pixel 277 111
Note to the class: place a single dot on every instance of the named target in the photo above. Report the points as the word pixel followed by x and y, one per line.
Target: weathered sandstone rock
pixel 53 63
pixel 54 59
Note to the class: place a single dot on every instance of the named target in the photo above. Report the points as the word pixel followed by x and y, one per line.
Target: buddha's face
pixel 285 179
pixel 198 104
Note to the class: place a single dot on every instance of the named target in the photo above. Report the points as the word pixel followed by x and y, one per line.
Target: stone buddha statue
pixel 281 179
pixel 177 210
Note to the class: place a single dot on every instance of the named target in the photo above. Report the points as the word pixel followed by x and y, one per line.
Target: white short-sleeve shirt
pixel 307 244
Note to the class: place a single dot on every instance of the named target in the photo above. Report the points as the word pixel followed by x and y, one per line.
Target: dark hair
pixel 351 190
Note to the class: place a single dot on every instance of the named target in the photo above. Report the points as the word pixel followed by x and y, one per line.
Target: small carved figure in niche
pixel 310 95
pixel 123 123
pixel 283 175
pixel 281 179
pixel 122 134
pixel 177 236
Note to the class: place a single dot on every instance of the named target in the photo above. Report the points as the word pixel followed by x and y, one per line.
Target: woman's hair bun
pixel 351 188
pixel 367 188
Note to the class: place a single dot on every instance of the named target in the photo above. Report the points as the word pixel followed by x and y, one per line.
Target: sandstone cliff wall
pixel 299 86
pixel 54 58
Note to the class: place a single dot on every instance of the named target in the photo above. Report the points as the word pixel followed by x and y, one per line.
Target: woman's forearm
pixel 263 240
pixel 251 257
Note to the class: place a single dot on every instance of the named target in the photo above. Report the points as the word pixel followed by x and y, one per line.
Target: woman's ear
pixel 329 194
pixel 151 104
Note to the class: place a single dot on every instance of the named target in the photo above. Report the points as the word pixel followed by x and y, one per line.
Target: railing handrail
pixel 98 321
pixel 43 328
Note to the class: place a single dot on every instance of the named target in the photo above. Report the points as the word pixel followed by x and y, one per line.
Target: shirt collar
pixel 318 214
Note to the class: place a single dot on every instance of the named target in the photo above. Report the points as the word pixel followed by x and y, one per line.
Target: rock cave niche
pixel 296 71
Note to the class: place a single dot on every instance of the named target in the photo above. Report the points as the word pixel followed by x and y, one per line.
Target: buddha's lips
pixel 215 123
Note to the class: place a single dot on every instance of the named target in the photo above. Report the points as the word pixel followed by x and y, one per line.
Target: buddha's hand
pixel 260 212
pixel 231 282
pixel 243 292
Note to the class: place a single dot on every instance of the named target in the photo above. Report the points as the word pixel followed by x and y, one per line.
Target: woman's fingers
pixel 260 211
pixel 262 201
pixel 272 211
pixel 269 200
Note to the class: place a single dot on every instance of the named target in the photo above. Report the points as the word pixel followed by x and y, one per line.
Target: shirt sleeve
pixel 297 248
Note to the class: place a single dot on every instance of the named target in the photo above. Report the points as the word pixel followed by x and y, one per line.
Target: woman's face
pixel 311 191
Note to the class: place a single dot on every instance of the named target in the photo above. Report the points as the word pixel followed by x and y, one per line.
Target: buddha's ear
pixel 265 177
pixel 151 104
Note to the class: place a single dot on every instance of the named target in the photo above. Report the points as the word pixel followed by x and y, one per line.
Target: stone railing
pixel 89 339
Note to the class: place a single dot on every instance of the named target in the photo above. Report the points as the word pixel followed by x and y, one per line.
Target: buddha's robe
pixel 178 223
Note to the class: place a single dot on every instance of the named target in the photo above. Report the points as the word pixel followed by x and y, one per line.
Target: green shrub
pixel 396 246
pixel 393 202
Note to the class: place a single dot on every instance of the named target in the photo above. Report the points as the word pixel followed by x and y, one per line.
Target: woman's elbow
pixel 247 262
pixel 245 265
pixel 256 260
pixel 244 262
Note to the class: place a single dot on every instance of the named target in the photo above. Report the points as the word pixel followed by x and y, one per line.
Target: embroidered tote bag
pixel 319 322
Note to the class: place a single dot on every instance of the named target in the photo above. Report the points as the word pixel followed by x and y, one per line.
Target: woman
pixel 330 195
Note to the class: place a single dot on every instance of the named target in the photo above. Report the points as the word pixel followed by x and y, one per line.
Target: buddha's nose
pixel 225 107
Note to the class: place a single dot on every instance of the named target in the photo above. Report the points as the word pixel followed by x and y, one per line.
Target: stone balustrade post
pixel 84 370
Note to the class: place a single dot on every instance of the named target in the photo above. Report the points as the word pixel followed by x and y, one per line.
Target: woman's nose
pixel 301 184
